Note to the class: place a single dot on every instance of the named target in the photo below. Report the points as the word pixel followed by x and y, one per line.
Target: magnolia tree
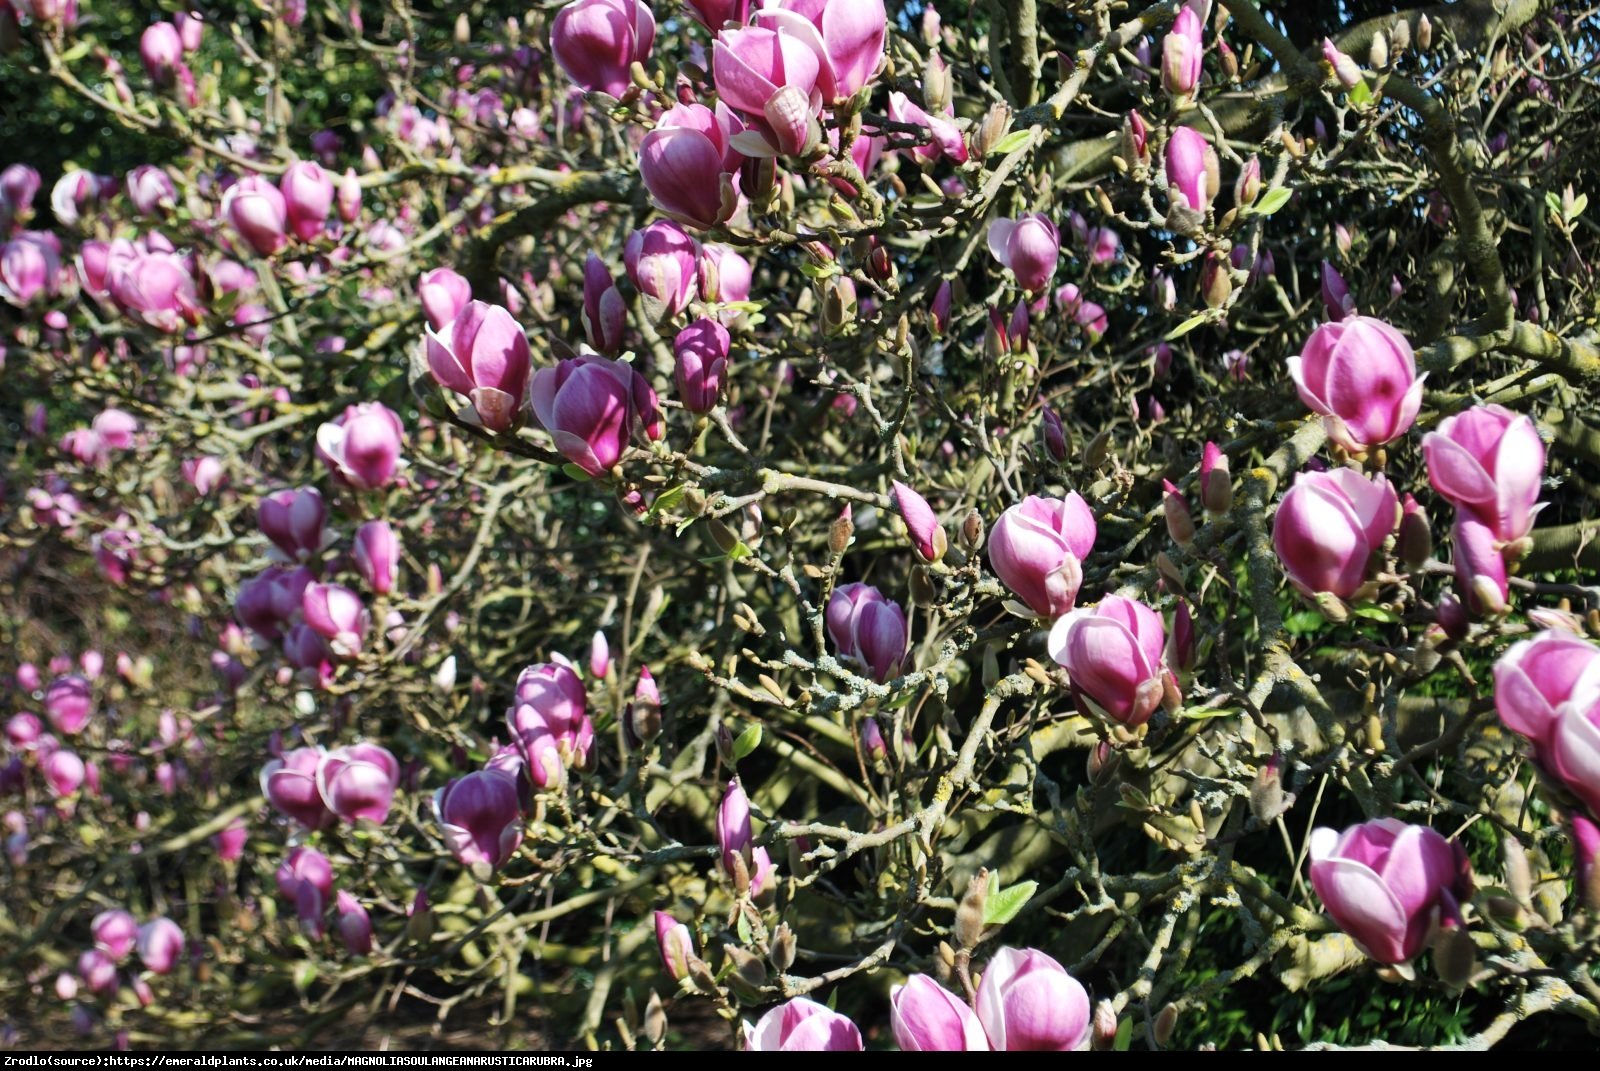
pixel 812 526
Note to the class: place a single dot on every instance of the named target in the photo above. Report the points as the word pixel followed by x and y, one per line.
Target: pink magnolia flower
pixel 605 315
pixel 944 138
pixel 257 211
pixel 1548 690
pixel 802 1025
pixel 1029 245
pixel 308 194
pixel 69 703
pixel 63 771
pixel 1388 884
pixel 30 265
pixel 590 405
pixel 161 945
pixel 353 925
pixel 338 615
pixel 161 51
pixel 596 42
pixel 676 944
pixel 1114 653
pixel 550 722
pixel 847 35
pixel 733 829
pixel 1037 548
pixel 293 521
pixel 358 782
pixel 927 1017
pixel 481 816
pixel 661 261
pixel 363 445
pixel 867 628
pixel 1192 171
pixel 1328 527
pixel 1182 51
pixel 1488 461
pixel 156 287
pixel 1480 565
pixel 151 190
pixel 305 878
pixel 483 355
pixel 115 933
pixel 927 534
pixel 688 164
pixel 377 554
pixel 444 293
pixel 1027 1002
pixel 290 784
pixel 773 76
pixel 700 355
pixel 714 14
pixel 1361 375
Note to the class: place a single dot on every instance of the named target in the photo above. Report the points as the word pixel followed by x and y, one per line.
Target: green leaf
pixel 1003 906
pixel 575 472
pixel 1375 613
pixel 820 271
pixel 745 936
pixel 1303 622
pixel 1552 201
pixel 1271 201
pixel 666 500
pixel 1206 713
pixel 747 742
pixel 1188 325
pixel 1361 93
pixel 1579 203
pixel 1011 142
pixel 1124 1036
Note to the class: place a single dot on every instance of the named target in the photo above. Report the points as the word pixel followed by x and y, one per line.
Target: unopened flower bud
pixel 783 948
pixel 1267 800
pixel 840 532
pixel 1105 1026
pixel 1166 1021
pixel 1415 543
pixel 972 531
pixel 969 913
pixel 1424 33
pixel 1180 523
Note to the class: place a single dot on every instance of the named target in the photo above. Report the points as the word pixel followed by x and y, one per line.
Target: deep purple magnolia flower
pixel 481 816
pixel 868 628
